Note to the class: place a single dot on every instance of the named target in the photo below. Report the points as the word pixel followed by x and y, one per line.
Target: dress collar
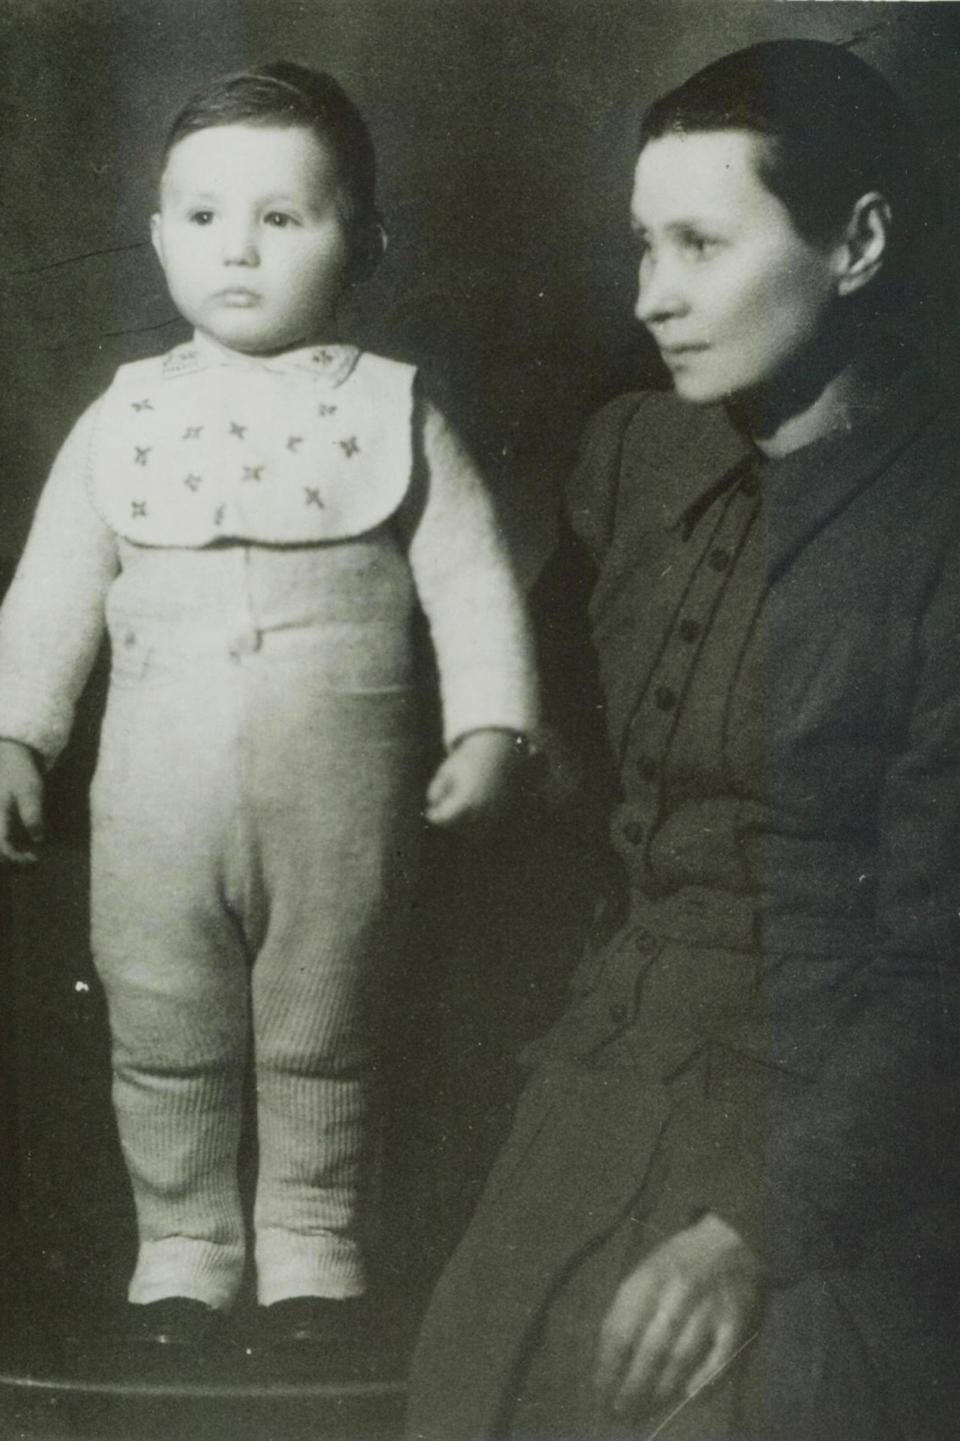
pixel 332 362
pixel 803 490
pixel 806 489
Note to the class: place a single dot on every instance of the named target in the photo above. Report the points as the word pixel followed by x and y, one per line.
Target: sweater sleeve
pixel 467 588
pixel 52 619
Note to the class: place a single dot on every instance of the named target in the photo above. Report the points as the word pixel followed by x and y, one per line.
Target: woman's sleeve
pixel 877 1133
pixel 52 618
pixel 467 588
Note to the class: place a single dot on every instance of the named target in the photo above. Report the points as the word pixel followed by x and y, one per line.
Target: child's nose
pixel 240 245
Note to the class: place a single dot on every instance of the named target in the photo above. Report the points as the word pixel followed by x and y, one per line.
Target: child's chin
pixel 249 341
pixel 243 330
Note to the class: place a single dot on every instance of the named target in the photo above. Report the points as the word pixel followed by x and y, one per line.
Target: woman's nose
pixel 659 293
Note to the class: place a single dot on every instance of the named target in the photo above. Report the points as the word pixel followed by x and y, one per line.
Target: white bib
pixel 192 447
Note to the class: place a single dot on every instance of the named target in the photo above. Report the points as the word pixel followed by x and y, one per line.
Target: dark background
pixel 505 134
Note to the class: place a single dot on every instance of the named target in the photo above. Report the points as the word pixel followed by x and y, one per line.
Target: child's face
pixel 250 235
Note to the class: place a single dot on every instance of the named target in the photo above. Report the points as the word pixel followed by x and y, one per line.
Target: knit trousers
pixel 254 837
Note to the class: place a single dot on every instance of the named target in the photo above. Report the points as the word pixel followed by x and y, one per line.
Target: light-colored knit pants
pixel 254 827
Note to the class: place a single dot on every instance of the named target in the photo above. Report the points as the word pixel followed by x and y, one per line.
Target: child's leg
pixel 339 815
pixel 173 963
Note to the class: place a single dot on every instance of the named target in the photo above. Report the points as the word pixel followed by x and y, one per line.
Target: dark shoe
pixel 170 1341
pixel 315 1338
pixel 176 1323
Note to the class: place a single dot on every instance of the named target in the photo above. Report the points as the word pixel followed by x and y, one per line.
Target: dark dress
pixel 770 1033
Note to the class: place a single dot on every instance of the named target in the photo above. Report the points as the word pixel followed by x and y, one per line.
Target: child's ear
pixel 156 240
pixel 864 246
pixel 368 252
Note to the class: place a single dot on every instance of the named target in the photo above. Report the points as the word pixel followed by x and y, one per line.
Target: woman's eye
pixel 201 217
pixel 279 219
pixel 699 247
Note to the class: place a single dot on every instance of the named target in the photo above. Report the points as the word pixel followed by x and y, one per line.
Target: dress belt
pixel 703 916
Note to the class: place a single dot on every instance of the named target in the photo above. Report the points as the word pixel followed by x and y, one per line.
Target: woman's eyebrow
pixel 690 225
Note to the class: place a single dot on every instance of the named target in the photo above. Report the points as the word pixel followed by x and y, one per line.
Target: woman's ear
pixel 864 244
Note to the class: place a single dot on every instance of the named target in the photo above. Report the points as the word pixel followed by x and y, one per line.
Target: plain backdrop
pixel 505 131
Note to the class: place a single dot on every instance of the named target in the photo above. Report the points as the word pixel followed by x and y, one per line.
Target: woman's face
pixel 729 290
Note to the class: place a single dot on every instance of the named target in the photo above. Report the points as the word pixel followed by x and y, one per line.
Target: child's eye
pixel 201 217
pixel 279 219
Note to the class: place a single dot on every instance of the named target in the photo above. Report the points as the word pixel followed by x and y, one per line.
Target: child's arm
pixel 478 624
pixel 51 625
pixel 475 778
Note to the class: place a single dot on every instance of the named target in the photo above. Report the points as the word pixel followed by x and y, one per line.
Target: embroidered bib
pixel 192 447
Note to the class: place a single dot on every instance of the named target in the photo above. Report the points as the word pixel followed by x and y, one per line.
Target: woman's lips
pixel 692 348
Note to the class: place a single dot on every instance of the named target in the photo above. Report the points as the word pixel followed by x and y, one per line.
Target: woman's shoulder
pixel 934 448
pixel 918 465
pixel 649 449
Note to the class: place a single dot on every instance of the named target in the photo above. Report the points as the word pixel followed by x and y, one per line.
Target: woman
pixel 725 1207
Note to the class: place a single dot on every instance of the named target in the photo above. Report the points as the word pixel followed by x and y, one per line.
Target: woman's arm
pixel 878 1127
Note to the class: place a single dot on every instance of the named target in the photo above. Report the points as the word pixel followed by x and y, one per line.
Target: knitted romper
pixel 256 802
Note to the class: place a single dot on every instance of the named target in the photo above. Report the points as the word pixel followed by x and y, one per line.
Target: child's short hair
pixel 283 93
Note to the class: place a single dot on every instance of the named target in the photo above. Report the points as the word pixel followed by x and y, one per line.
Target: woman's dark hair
pixel 283 93
pixel 833 128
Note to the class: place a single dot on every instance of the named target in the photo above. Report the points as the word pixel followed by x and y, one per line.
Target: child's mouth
pixel 238 296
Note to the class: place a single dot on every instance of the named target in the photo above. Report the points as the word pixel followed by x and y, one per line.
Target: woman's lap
pixel 806 1375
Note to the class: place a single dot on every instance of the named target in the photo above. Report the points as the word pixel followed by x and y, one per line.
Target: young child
pixel 258 517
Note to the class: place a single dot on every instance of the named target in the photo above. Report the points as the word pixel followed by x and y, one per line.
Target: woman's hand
pixel 21 804
pixel 678 1318
pixel 473 781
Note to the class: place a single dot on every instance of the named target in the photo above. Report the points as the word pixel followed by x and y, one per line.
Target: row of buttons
pixel 708 578
pixel 665 698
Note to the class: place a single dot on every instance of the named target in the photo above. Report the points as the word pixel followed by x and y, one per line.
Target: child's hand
pixel 474 779
pixel 21 804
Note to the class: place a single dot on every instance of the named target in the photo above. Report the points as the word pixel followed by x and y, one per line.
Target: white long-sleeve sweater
pixel 105 500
